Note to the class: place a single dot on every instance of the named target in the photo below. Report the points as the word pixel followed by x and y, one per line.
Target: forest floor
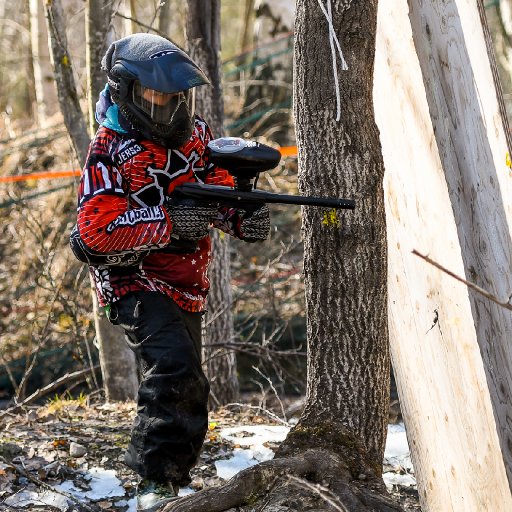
pixel 68 456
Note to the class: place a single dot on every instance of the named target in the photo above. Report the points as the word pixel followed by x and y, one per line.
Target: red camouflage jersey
pixel 123 185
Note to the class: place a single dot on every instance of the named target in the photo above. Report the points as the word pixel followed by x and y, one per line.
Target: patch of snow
pixel 132 505
pixel 103 482
pixel 395 479
pixel 256 452
pixel 259 434
pixel 397 452
pixel 242 459
pixel 185 491
pixel 398 456
pixel 27 498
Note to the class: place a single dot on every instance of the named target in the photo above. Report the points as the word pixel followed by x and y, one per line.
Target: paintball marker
pixel 245 159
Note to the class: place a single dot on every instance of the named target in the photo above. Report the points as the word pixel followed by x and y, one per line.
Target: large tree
pixel 448 195
pixel 339 440
pixel 203 35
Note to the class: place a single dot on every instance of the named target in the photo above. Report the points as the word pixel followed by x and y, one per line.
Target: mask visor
pixel 161 106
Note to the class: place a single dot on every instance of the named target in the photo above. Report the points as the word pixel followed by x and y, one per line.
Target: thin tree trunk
pixel 98 20
pixel 164 17
pixel 44 83
pixel 66 88
pixel 270 100
pixel 118 364
pixel 499 14
pixel 248 22
pixel 130 25
pixel 117 361
pixel 203 34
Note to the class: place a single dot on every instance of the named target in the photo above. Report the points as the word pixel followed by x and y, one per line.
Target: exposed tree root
pixel 329 485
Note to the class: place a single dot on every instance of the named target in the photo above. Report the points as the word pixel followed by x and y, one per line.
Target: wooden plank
pixel 434 324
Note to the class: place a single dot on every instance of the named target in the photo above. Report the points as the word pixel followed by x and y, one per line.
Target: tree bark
pixel 467 155
pixel 118 364
pixel 203 34
pixel 448 195
pixel 339 439
pixel 45 92
pixel 98 20
pixel 66 88
pixel 164 17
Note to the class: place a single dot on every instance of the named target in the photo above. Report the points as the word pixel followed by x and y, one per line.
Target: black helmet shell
pixel 154 61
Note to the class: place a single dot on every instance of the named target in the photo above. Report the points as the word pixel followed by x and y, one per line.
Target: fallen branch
pixel 469 284
pixel 48 389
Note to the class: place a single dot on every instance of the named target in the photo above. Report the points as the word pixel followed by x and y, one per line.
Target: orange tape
pixel 39 176
pixel 288 151
pixel 285 151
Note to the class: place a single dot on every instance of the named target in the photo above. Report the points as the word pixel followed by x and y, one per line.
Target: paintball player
pixel 149 254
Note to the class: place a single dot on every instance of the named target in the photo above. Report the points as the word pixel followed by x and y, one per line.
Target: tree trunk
pixel 339 440
pixel 120 362
pixel 248 26
pixel 117 361
pixel 45 91
pixel 267 108
pixel 66 88
pixel 203 34
pixel 499 14
pixel 458 79
pixel 130 25
pixel 448 195
pixel 164 17
pixel 98 19
pixel 344 259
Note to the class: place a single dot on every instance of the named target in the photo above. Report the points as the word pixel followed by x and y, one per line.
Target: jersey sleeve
pixel 106 224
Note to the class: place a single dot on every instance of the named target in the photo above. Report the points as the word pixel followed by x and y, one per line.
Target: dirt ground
pixel 44 447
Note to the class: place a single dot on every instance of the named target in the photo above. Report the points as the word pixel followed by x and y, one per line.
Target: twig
pixel 323 492
pixel 129 18
pixel 275 417
pixel 469 284
pixel 254 348
pixel 48 389
pixel 44 485
pixel 271 384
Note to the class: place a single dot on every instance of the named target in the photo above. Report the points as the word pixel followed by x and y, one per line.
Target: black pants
pixel 172 414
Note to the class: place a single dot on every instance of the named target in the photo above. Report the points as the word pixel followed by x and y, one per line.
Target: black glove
pixel 190 221
pixel 255 226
